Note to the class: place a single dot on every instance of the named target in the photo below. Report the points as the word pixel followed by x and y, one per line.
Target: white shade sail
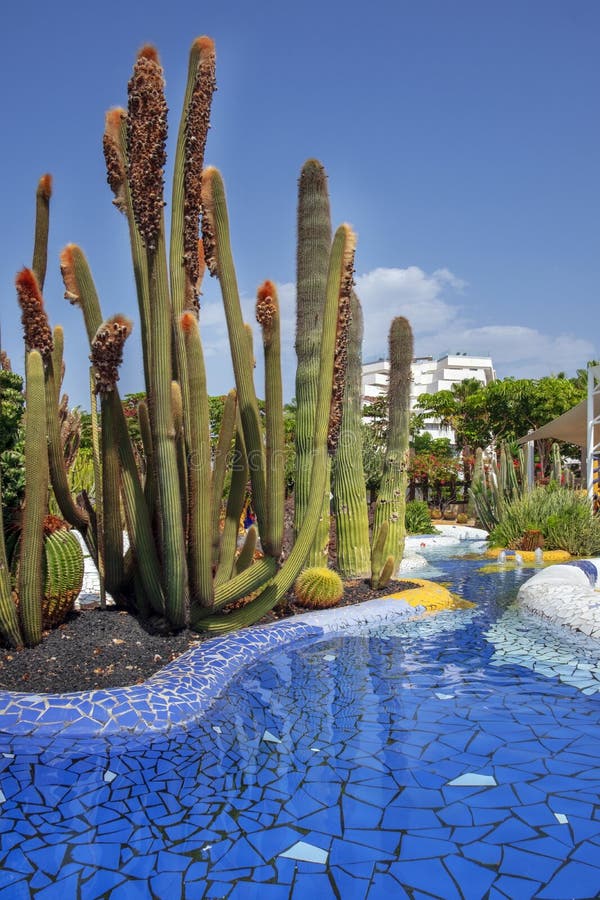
pixel 572 426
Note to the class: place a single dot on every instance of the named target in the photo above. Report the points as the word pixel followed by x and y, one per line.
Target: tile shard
pixel 305 852
pixel 473 779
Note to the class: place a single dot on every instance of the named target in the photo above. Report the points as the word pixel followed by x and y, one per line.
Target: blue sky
pixel 461 140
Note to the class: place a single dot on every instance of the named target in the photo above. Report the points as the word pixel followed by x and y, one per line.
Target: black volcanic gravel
pixel 98 648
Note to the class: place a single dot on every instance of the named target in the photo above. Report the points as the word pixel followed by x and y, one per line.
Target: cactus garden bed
pixel 101 649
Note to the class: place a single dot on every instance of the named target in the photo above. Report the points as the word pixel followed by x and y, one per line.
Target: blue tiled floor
pixel 369 744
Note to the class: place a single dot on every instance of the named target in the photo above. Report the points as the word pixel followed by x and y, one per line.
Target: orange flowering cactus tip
pixel 67 271
pixel 148 51
pixel 107 351
pixel 113 119
pixel 267 305
pixel 208 227
pixel 45 186
pixel 267 289
pixel 27 283
pixel 38 335
pixel 146 139
pixel 197 124
pixel 204 44
pixel 187 322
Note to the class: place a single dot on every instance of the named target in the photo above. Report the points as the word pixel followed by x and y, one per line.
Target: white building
pixel 428 377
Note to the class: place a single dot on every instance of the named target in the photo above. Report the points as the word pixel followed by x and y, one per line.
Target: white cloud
pixel 410 292
pixel 528 352
pixel 431 303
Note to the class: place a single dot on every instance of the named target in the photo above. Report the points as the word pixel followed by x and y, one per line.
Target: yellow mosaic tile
pixel 433 596
pixel 555 556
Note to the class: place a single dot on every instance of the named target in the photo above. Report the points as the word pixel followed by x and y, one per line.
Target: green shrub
pixel 417 518
pixel 462 519
pixel 563 516
pixel 318 588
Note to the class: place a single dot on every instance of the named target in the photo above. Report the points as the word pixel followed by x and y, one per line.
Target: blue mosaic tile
pixel 208 811
pixel 384 887
pixel 425 874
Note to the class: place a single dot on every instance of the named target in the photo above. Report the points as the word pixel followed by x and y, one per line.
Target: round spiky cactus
pixel 318 588
pixel 63 569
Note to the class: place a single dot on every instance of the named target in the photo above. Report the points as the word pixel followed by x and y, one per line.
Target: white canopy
pixel 571 427
pixel 577 426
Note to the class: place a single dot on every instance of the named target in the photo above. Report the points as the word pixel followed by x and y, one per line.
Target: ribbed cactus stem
pixel 58 365
pixel 99 499
pixel 241 585
pixel 378 557
pixel 349 491
pixel 342 253
pixel 391 502
pixel 31 584
pixel 235 506
pixel 197 436
pixel 80 289
pixel 146 122
pixel 222 451
pixel 9 620
pixel 185 265
pixel 314 244
pixel 267 314
pixel 138 521
pixel 556 464
pixel 219 259
pixel 246 555
pixel 181 451
pixel 112 525
pixel 72 513
pixel 42 223
pixel 117 165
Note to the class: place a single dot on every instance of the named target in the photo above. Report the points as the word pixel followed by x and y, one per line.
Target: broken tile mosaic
pixel 448 756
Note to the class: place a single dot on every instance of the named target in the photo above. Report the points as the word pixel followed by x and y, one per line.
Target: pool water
pixel 451 757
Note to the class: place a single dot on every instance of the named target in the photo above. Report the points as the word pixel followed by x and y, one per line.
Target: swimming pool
pixel 455 756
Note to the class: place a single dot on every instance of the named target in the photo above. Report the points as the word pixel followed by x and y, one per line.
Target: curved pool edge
pixel 566 594
pixel 183 690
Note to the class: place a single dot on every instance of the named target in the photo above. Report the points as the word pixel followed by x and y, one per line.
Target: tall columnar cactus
pixel 146 138
pixel 314 243
pixel 267 315
pixel 349 492
pixel 42 219
pixel 391 502
pixel 557 469
pixel 31 584
pixel 219 261
pixel 327 423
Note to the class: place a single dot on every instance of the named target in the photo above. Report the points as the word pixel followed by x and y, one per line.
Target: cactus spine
pixel 314 244
pixel 391 502
pixel 349 494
